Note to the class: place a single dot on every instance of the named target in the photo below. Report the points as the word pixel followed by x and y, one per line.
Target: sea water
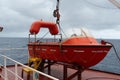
pixel 16 48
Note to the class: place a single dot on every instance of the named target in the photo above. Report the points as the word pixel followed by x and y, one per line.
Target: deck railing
pixel 5 69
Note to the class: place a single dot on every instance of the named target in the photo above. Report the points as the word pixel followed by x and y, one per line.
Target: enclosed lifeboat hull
pixel 82 54
pixel 81 50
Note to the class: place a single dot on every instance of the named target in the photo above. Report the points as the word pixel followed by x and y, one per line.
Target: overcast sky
pixel 101 17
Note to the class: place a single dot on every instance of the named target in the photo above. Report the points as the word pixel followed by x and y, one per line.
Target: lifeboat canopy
pixel 84 39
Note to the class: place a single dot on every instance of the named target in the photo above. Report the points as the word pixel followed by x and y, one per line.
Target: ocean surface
pixel 16 48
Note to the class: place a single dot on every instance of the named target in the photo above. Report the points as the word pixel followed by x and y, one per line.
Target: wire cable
pixel 63 31
pixel 116 3
pixel 99 6
pixel 114 50
pixel 43 36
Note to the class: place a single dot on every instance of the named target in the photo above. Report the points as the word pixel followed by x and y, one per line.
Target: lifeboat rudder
pixel 35 27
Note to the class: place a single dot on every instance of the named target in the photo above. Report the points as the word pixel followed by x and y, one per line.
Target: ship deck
pixel 57 71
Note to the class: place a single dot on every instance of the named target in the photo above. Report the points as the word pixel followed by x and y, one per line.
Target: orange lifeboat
pixel 84 51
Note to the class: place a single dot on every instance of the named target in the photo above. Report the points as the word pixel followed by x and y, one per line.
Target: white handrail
pixel 16 73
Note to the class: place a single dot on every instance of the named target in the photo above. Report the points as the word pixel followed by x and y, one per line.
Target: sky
pixel 100 17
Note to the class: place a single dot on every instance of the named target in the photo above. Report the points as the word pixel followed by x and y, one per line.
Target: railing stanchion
pixel 16 71
pixel 5 69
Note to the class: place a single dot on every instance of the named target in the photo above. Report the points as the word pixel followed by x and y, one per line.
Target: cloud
pixel 97 15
